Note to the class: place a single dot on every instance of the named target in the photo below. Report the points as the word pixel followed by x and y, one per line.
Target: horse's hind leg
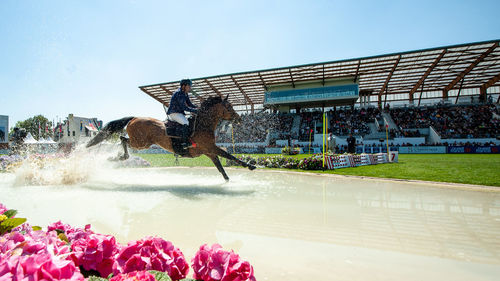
pixel 227 155
pixel 125 155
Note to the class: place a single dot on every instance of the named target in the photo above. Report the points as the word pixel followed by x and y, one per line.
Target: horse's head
pixel 221 109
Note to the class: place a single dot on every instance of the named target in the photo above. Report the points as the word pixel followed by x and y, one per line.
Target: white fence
pixel 349 160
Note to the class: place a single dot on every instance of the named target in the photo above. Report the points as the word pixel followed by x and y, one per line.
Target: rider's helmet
pixel 186 82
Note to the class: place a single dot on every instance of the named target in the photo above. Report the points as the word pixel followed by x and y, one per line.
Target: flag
pixel 39 129
pixel 46 128
pixel 91 125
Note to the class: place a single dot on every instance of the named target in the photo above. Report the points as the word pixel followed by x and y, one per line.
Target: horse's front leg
pixel 217 164
pixel 125 155
pixel 226 155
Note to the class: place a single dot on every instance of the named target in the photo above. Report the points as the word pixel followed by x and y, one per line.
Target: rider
pixel 178 104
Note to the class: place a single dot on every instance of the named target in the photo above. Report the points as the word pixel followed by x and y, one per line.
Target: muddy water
pixel 289 226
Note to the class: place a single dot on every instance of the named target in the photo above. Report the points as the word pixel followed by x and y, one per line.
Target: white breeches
pixel 179 118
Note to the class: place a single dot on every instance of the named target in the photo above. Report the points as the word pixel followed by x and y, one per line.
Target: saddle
pixel 174 131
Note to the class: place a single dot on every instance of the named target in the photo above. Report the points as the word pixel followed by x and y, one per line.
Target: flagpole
pixel 323 139
pixel 232 138
pixel 387 140
pixel 326 132
pixel 310 134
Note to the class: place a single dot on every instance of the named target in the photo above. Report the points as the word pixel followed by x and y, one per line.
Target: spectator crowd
pixel 455 122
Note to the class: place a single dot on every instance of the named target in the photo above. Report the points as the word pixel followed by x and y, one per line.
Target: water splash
pixel 57 169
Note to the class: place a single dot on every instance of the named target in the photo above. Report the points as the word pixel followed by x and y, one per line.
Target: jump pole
pixel 310 134
pixel 387 141
pixel 323 139
pixel 326 132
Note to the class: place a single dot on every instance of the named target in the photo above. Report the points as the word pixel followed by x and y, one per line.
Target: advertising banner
pixel 422 149
pixel 474 149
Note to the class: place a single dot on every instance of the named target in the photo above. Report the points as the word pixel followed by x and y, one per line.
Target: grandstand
pixel 440 96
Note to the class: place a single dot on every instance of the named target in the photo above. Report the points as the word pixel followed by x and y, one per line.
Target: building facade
pixel 4 132
pixel 77 129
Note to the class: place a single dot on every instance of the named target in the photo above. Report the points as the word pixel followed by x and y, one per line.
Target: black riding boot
pixel 185 136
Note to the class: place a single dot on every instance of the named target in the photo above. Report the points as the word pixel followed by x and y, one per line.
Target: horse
pixel 145 131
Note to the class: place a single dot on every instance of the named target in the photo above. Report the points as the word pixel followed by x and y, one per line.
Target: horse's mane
pixel 211 101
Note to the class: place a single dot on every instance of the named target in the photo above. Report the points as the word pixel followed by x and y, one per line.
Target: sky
pixel 89 57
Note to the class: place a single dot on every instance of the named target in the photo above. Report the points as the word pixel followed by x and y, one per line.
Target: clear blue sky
pixel 89 57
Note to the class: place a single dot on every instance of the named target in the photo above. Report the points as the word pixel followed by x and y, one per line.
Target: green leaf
pixel 10 213
pixel 63 237
pixel 160 276
pixel 36 228
pixel 8 224
pixel 95 278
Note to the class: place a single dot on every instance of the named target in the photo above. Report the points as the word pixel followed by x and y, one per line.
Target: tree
pixel 32 124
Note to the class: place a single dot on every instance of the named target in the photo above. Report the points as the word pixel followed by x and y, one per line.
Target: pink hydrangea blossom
pixel 3 209
pixel 72 233
pixel 134 276
pixel 38 267
pixel 212 263
pixel 153 253
pixel 96 252
pixel 34 242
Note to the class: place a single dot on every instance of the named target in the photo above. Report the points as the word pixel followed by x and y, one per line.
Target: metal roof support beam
pixel 263 83
pixel 388 79
pixel 213 88
pixel 291 77
pixel 459 90
pixel 485 86
pixel 357 72
pixel 421 94
pixel 469 68
pixel 427 72
pixel 241 90
pixel 323 82
pixel 154 97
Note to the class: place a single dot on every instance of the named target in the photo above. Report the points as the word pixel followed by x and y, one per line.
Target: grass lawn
pixel 482 169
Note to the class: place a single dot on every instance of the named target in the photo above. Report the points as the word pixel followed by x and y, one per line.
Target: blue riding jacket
pixel 180 102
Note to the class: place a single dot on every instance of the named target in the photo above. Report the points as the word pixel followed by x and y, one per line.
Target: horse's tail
pixel 110 128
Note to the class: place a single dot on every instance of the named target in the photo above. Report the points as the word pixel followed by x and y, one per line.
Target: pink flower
pixel 96 252
pixel 153 253
pixel 3 209
pixel 34 242
pixel 213 263
pixel 134 276
pixel 72 233
pixel 38 267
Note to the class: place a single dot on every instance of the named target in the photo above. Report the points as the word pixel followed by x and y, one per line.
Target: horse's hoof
pixel 251 167
pixel 226 179
pixel 123 157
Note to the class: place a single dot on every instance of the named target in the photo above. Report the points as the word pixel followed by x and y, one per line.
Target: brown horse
pixel 144 131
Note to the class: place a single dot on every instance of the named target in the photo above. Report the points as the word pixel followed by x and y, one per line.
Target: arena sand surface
pixel 290 226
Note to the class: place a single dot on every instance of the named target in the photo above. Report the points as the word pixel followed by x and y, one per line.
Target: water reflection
pixel 281 221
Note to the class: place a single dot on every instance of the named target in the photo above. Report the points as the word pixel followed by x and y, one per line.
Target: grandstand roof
pixel 412 75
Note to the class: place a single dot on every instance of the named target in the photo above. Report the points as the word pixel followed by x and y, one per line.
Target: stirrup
pixel 186 145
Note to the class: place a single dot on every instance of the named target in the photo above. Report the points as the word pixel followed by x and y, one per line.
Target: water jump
pixel 191 137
